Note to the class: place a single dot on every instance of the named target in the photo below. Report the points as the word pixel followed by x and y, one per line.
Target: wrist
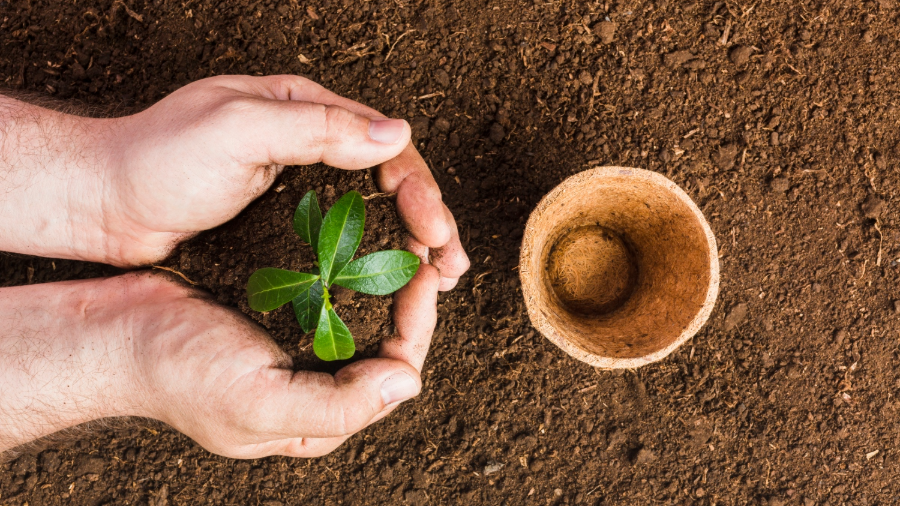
pixel 55 172
pixel 65 357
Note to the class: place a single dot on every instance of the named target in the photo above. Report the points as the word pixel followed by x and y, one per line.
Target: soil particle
pixel 443 78
pixel 780 184
pixel 24 465
pixel 644 456
pixel 696 64
pixel 50 461
pixel 442 125
pixel 840 337
pixel 419 126
pixel 89 465
pixel 415 497
pixel 725 156
pixel 497 133
pixel 740 55
pixel 897 306
pixel 736 316
pixel 872 207
pixel 678 58
pixel 616 439
pixel 585 77
pixel 606 30
pixel 492 467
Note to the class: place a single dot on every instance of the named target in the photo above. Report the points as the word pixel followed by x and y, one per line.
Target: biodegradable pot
pixel 618 267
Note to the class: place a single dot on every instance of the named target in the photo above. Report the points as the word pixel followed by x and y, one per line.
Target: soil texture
pixel 780 120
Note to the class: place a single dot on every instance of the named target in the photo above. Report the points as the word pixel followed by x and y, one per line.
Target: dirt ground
pixel 778 118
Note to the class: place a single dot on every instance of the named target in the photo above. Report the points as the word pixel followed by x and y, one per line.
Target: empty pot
pixel 618 267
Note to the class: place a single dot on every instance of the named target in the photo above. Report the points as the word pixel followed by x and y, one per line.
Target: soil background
pixel 778 118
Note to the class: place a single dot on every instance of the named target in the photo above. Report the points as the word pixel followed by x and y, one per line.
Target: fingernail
pixel 386 131
pixel 398 388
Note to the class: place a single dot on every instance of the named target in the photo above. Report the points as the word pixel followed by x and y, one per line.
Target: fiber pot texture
pixel 618 267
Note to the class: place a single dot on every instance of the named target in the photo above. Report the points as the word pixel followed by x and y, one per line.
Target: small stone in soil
pixel 897 306
pixel 492 468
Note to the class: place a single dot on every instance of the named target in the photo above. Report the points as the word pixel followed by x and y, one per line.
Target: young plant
pixel 334 239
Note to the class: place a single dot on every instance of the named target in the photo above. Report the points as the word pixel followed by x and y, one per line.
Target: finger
pixel 290 87
pixel 447 284
pixel 319 405
pixel 418 195
pixel 425 256
pixel 418 249
pixel 302 133
pixel 415 314
pixel 451 258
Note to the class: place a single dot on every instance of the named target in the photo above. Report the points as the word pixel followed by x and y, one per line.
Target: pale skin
pixel 126 191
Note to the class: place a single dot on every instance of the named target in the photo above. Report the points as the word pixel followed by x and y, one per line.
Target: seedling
pixel 334 239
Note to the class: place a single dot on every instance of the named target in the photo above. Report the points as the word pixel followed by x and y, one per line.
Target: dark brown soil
pixel 779 119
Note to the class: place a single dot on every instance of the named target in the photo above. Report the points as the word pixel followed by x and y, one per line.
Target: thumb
pixel 302 133
pixel 320 405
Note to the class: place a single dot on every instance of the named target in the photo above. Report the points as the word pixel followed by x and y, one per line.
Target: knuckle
pixel 339 122
pixel 316 123
pixel 353 418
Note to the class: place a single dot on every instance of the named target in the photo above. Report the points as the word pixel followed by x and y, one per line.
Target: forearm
pixel 64 358
pixel 54 182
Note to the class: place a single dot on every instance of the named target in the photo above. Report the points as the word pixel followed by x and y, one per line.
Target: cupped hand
pixel 220 379
pixel 198 157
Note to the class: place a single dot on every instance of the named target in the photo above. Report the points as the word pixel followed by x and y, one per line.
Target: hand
pixel 126 190
pixel 142 345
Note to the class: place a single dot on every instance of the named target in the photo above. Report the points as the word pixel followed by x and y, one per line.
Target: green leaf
pixel 341 232
pixel 308 305
pixel 308 219
pixel 379 273
pixel 269 288
pixel 333 340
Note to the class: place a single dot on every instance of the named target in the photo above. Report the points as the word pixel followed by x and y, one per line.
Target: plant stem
pixel 327 298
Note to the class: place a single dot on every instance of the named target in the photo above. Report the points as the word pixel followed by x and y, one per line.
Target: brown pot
pixel 618 267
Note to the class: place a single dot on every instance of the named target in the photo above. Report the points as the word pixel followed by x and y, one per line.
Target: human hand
pixel 198 157
pixel 126 190
pixel 142 345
